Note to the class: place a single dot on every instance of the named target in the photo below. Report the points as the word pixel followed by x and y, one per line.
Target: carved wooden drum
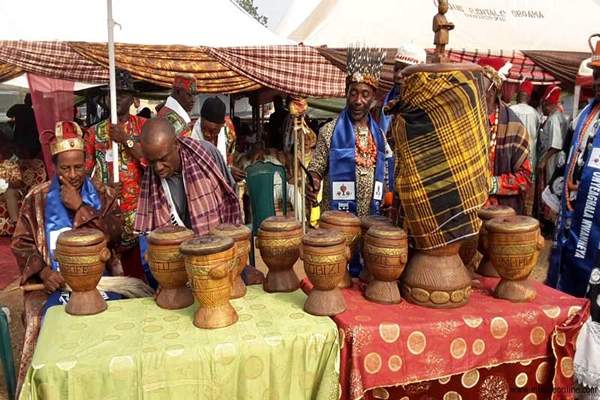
pixel 350 226
pixel 325 254
pixel 485 214
pixel 167 266
pixel 514 245
pixel 241 237
pixel 279 240
pixel 82 255
pixel 385 252
pixel 366 223
pixel 209 262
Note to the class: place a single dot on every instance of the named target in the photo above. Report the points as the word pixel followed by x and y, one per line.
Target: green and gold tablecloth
pixel 136 350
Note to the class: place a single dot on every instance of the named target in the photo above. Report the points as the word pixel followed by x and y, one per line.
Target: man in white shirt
pixel 179 104
pixel 529 116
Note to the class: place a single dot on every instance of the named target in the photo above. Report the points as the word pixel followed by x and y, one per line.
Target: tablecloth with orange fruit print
pixel 391 346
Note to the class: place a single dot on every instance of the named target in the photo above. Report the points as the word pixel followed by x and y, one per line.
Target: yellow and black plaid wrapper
pixel 442 172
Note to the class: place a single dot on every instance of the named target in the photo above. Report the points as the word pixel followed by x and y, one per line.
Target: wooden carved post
pixel 441 26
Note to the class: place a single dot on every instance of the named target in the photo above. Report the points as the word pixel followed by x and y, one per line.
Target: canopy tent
pixel 72 47
pixel 530 34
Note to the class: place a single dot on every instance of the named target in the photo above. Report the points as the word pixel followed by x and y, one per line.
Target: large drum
pixel 385 252
pixel 325 254
pixel 514 245
pixel 209 262
pixel 167 266
pixel 366 223
pixel 241 237
pixel 82 255
pixel 279 240
pixel 485 214
pixel 349 225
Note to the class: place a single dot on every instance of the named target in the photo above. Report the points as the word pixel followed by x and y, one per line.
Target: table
pixel 452 354
pixel 137 350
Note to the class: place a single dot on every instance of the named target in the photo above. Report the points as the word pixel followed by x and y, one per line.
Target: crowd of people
pixel 174 170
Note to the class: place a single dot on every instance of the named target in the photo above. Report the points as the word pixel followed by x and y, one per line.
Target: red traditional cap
pixel 495 62
pixel 67 136
pixel 526 87
pixel 186 82
pixel 552 94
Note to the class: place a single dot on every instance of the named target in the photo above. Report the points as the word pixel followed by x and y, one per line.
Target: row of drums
pixel 213 263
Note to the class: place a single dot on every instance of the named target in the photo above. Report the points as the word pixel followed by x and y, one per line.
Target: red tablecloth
pixel 392 345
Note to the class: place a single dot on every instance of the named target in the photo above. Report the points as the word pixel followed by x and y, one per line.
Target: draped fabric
pixel 564 65
pixel 441 140
pixel 52 101
pixel 52 59
pixel 296 70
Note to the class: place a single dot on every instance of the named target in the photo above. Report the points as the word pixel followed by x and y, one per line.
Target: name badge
pixel 343 206
pixel 342 191
pixel 109 155
pixel 594 160
pixel 378 191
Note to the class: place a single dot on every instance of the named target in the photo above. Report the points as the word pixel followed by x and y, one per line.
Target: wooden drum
pixel 366 223
pixel 209 262
pixel 349 225
pixel 82 255
pixel 325 254
pixel 514 245
pixel 485 214
pixel 167 266
pixel 241 237
pixel 279 240
pixel 385 252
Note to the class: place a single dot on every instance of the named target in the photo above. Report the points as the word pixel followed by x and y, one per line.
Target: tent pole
pixel 296 202
pixel 302 202
pixel 576 96
pixel 112 86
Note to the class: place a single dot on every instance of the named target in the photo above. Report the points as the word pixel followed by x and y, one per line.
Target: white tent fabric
pixel 491 24
pixel 214 23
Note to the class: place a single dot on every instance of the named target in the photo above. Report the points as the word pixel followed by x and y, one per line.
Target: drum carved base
pixel 281 281
pixel 515 291
pixel 86 303
pixel 437 279
pixel 383 292
pixel 239 288
pixel 325 302
pixel 365 276
pixel 175 298
pixel 215 317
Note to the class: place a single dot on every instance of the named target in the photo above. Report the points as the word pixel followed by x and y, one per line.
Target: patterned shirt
pixel 99 161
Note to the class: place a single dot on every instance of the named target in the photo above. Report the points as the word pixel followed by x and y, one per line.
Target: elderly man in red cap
pixel 552 134
pixel 531 118
pixel 180 103
pixel 509 141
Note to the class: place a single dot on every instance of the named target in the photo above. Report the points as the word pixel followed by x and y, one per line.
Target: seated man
pixel 68 201
pixel 185 185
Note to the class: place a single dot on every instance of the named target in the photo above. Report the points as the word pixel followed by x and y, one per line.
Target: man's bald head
pixel 158 130
pixel 160 147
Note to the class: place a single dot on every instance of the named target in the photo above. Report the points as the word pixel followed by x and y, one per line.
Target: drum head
pixel 206 245
pixel 235 231
pixel 280 224
pixel 171 234
pixel 80 237
pixel 512 224
pixel 335 217
pixel 323 238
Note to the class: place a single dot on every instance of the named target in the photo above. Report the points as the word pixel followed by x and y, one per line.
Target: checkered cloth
pixel 211 201
pixel 296 70
pixel 523 67
pixel 8 71
pixel 55 59
pixel 442 173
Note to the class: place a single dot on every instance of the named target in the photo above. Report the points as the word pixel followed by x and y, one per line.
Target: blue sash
pixel 57 217
pixel 577 234
pixel 342 164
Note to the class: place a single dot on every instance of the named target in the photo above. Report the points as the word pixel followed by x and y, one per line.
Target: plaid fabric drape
pixel 8 71
pixel 442 173
pixel 159 64
pixel 53 59
pixel 297 70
